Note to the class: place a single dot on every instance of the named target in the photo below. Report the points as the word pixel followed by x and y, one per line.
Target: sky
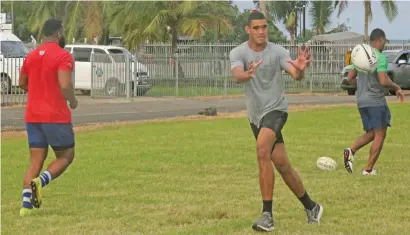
pixel 355 14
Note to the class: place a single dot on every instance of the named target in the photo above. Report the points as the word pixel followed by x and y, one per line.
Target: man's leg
pixel 264 144
pixel 38 153
pixel 380 121
pixel 292 179
pixel 363 140
pixel 375 149
pixel 61 139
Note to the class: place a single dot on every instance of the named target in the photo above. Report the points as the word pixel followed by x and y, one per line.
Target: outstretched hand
pixel 253 67
pixel 303 59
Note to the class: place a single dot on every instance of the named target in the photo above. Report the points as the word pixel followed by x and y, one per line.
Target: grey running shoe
pixel 264 223
pixel 314 214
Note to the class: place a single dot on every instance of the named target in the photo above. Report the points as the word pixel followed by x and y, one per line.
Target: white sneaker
pixel 373 172
pixel 348 159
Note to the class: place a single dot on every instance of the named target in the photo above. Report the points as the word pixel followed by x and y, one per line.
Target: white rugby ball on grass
pixel 326 163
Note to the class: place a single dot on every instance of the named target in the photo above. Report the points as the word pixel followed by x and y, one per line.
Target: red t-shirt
pixel 45 102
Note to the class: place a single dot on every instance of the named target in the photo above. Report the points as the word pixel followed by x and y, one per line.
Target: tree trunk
pixel 174 51
pixel 367 8
pixel 292 36
pixel 262 7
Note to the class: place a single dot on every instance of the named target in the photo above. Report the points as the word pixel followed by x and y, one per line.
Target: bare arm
pixel 65 70
pixel 66 86
pixel 23 78
pixel 351 77
pixel 240 75
pixel 295 74
pixel 289 68
pixel 386 81
pixel 382 65
pixel 238 67
pixel 23 81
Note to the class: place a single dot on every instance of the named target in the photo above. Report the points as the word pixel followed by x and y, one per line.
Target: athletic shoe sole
pixel 348 163
pixel 34 199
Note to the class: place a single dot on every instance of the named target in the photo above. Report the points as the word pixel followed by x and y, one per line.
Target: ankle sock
pixel 307 202
pixel 26 198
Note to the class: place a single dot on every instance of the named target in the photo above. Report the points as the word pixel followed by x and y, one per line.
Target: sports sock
pixel 45 178
pixel 307 202
pixel 267 206
pixel 26 198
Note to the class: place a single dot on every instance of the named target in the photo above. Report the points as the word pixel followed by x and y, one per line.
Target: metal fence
pixel 195 70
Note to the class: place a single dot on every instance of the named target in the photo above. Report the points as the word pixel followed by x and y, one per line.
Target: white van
pixel 12 54
pixel 109 75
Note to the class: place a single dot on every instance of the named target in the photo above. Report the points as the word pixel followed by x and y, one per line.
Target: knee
pixel 67 155
pixel 263 153
pixel 370 134
pixel 380 135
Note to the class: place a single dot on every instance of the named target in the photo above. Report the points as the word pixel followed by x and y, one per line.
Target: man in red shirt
pixel 46 76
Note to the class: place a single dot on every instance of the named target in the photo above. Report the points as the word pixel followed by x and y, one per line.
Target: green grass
pixel 200 177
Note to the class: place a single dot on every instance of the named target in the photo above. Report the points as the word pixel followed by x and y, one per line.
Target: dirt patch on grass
pixel 98 126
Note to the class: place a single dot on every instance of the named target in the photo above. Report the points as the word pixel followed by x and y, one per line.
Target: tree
pixel 81 19
pixel 321 12
pixel 389 7
pixel 20 22
pixel 285 12
pixel 162 19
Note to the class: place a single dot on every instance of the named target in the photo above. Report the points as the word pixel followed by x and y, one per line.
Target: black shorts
pixel 274 120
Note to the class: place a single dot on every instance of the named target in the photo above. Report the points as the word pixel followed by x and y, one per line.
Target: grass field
pixel 200 177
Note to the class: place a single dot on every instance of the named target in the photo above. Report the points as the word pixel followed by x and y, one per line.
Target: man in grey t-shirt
pixel 258 64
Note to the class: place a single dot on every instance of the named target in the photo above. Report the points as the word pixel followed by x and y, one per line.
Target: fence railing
pixel 195 70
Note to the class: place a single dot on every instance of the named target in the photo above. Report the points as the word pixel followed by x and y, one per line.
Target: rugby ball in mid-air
pixel 364 58
pixel 326 164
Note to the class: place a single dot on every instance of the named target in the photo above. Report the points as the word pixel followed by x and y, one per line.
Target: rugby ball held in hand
pixel 326 164
pixel 364 58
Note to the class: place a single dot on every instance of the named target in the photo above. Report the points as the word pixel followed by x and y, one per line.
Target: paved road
pixel 144 108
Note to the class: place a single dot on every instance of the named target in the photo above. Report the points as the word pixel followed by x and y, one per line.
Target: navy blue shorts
pixel 59 136
pixel 377 117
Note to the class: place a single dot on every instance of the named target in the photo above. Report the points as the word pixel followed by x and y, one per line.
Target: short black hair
pixel 377 34
pixel 52 26
pixel 255 15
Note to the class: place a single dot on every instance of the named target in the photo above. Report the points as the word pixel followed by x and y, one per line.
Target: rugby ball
pixel 364 58
pixel 326 163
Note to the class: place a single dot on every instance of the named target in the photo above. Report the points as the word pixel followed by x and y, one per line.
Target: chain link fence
pixel 195 70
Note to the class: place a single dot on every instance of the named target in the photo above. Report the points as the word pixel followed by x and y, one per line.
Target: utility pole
pixel 304 21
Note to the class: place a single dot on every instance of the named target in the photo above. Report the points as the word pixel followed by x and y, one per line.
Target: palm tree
pixel 389 7
pixel 321 12
pixel 42 11
pixel 285 12
pixel 156 21
pixel 81 19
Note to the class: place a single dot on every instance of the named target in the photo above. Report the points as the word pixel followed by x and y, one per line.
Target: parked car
pixel 109 74
pixel 398 71
pixel 12 54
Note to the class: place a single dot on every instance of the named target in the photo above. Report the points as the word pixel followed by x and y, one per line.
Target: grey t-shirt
pixel 370 92
pixel 265 92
